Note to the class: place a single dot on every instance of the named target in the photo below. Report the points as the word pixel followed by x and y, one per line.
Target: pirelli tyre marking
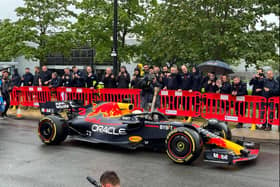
pixel 170 152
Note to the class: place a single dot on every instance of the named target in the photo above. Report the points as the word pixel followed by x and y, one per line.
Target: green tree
pixel 40 20
pixel 11 40
pixel 197 30
pixel 95 22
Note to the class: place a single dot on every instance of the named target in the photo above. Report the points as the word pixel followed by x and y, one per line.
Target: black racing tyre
pixel 221 129
pixel 52 130
pixel 183 145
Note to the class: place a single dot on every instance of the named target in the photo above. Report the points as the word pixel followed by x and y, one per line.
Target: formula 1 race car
pixel 118 124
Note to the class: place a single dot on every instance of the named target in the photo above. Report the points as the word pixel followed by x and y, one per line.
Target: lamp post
pixel 114 53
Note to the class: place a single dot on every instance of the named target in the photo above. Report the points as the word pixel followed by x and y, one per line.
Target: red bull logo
pixel 107 109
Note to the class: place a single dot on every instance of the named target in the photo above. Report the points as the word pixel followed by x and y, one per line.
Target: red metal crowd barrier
pixel 15 96
pixel 244 109
pixel 273 112
pixel 180 103
pixel 120 95
pixel 32 96
pixel 86 95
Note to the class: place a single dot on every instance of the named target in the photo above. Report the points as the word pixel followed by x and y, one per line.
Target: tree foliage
pixel 40 20
pixel 95 25
pixel 197 30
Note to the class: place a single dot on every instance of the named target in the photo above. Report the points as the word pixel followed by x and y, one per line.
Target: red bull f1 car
pixel 118 124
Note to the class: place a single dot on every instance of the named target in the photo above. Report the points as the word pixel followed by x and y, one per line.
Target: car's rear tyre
pixel 183 145
pixel 52 130
pixel 221 129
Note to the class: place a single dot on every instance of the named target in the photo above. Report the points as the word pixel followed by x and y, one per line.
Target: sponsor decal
pixel 164 92
pixel 135 139
pixel 165 127
pixel 231 118
pixel 178 93
pixel 61 105
pixel 171 112
pixel 108 130
pixel 224 97
pixel 220 156
pixel 240 98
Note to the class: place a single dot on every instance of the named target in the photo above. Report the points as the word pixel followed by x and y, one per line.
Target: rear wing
pixel 49 108
pixel 57 107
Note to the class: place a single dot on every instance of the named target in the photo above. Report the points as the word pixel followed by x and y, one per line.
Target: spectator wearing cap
pixel 36 76
pixel 91 79
pixel 27 78
pixel 55 81
pixel 109 79
pixel 123 78
pixel 66 79
pixel 270 89
pixel 78 77
pixel 196 79
pixel 45 76
pixel 239 88
pixel 16 80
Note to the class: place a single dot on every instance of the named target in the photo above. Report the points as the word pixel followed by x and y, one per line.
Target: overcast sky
pixel 7 10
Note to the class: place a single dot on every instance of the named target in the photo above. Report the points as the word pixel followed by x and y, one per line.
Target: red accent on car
pixel 153 126
pixel 217 141
pixel 195 125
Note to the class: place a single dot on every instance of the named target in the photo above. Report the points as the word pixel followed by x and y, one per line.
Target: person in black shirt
pixel 36 76
pixel 66 79
pixel 239 88
pixel 196 79
pixel 211 86
pixel 78 77
pixel 173 80
pixel 270 89
pixel 123 79
pixel 173 83
pixel 27 78
pixel 159 76
pixel 186 79
pixel 6 89
pixel 224 85
pixel 45 77
pixel 109 79
pixel 91 79
pixel 16 80
pixel 165 73
pixel 55 81
pixel 135 79
pixel 257 82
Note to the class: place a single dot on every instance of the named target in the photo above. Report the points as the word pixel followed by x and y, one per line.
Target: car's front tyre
pixel 183 145
pixel 52 130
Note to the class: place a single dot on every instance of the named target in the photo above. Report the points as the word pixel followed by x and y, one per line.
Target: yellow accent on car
pixel 135 139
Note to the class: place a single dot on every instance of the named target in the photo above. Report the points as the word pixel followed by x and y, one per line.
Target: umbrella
pixel 216 66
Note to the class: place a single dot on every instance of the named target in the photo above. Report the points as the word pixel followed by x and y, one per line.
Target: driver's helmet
pixel 213 121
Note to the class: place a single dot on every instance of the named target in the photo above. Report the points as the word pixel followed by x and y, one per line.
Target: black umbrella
pixel 216 66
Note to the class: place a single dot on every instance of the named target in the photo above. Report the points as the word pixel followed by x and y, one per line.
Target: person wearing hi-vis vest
pixel 91 79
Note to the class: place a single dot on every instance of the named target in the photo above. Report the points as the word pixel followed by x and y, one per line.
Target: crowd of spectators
pixel 146 79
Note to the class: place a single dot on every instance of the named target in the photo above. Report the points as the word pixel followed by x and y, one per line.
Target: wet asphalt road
pixel 26 162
